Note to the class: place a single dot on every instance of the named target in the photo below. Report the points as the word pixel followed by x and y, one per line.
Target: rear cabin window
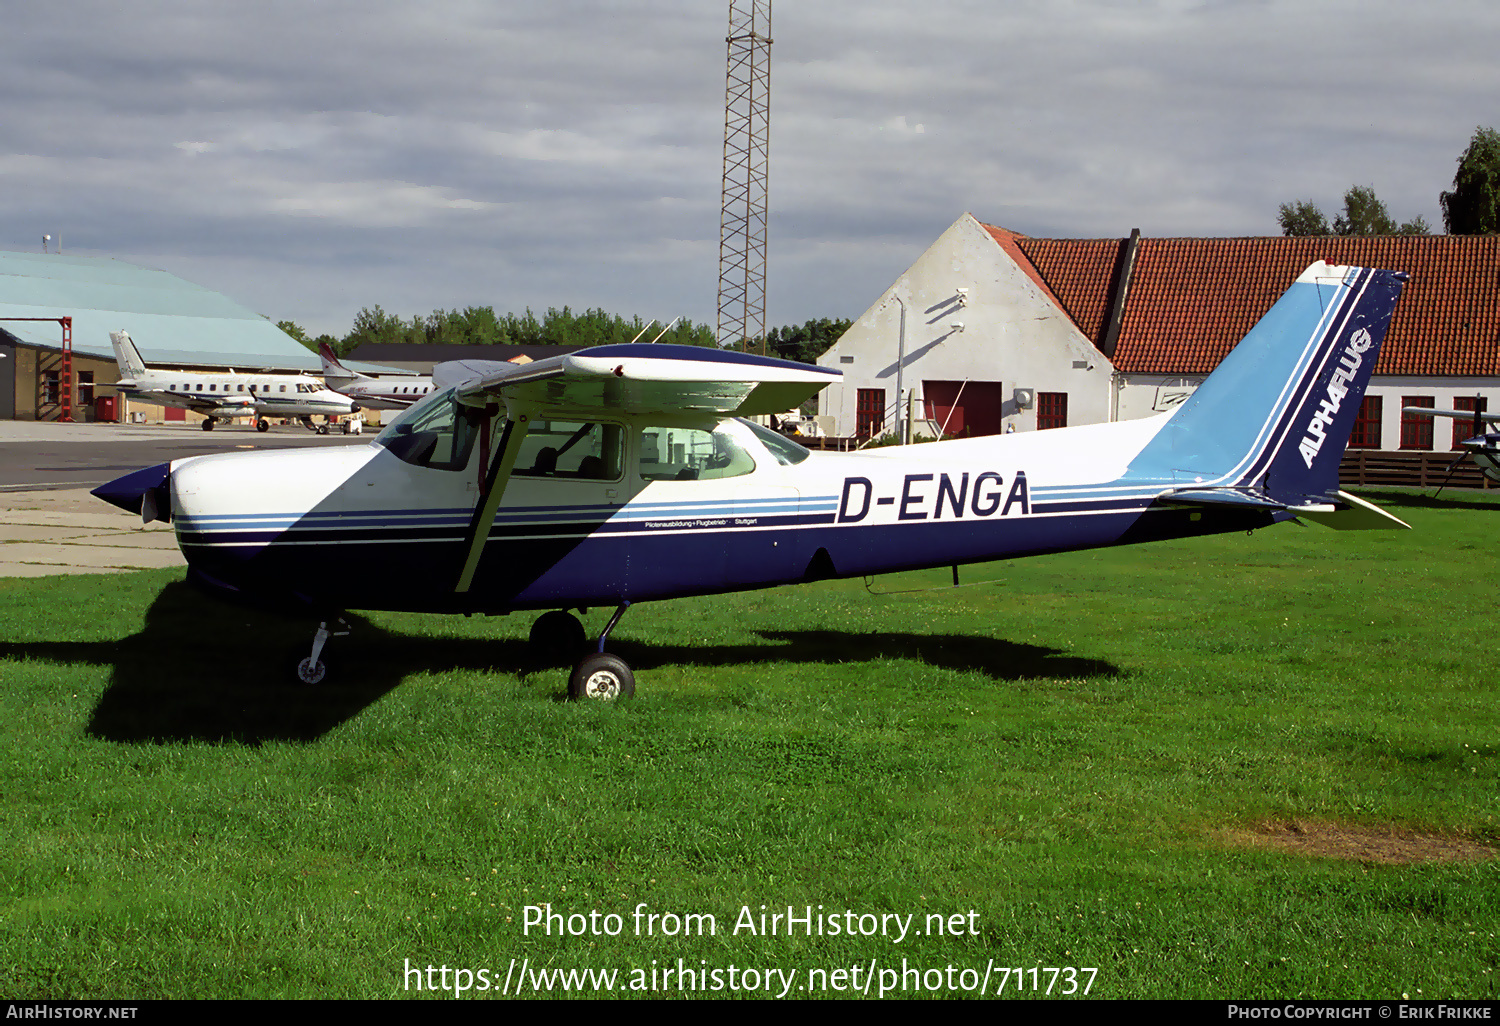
pixel 576 450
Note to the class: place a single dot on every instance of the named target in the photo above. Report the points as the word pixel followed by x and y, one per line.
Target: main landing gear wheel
pixel 601 677
pixel 557 638
pixel 263 425
pixel 208 425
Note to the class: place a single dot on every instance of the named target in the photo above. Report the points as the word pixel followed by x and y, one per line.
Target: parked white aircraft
pixel 393 393
pixel 221 396
pixel 1484 446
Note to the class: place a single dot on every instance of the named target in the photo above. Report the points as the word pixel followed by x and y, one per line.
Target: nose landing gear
pixel 313 670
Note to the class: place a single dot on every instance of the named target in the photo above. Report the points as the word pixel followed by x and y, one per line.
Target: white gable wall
pixel 1011 333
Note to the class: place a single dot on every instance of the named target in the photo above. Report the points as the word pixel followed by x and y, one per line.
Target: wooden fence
pixel 1415 469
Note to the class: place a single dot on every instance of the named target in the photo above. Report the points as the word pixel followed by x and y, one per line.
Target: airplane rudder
pixel 127 356
pixel 1316 435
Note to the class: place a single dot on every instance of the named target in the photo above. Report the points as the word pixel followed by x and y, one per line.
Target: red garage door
pixel 968 408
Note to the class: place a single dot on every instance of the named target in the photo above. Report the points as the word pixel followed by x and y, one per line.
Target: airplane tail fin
pixel 332 369
pixel 127 355
pixel 1269 426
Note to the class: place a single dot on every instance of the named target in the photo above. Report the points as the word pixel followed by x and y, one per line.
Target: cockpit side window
pixel 439 433
pixel 690 454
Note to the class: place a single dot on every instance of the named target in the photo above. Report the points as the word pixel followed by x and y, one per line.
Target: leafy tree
pixel 807 341
pixel 1302 218
pixel 1363 214
pixel 480 325
pixel 378 326
pixel 293 329
pixel 1473 207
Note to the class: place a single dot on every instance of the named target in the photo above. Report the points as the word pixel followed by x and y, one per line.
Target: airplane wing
pixel 1427 411
pixel 643 379
pixel 638 379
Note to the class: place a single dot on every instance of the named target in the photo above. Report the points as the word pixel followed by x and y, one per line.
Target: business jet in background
pixel 222 396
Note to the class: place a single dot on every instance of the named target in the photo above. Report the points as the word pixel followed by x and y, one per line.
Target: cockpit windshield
pixel 787 452
pixel 438 432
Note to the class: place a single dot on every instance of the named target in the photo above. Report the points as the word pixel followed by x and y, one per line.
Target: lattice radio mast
pixel 747 147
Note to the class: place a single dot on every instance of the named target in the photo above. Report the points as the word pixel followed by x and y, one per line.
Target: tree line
pixel 1471 208
pixel 480 325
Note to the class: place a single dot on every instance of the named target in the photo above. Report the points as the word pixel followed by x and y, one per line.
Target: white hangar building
pixel 1006 332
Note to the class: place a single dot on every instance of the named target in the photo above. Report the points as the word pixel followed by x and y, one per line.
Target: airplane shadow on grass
pixel 201 669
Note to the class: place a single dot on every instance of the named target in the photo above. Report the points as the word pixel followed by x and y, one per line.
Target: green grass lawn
pixel 1173 764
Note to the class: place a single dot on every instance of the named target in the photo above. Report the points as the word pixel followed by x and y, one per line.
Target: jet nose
pixel 146 492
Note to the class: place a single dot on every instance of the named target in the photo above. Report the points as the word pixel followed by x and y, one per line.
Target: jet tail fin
pixel 332 369
pixel 1275 416
pixel 127 355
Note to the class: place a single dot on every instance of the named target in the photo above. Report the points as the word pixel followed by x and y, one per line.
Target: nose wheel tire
pixel 310 671
pixel 601 677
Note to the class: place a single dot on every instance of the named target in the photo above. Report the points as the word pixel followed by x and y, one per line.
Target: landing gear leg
pixel 602 676
pixel 313 670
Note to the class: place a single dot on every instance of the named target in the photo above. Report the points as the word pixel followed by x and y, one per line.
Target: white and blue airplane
pixel 624 474
pixel 223 395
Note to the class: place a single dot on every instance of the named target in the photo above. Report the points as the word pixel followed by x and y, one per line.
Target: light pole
pixel 900 362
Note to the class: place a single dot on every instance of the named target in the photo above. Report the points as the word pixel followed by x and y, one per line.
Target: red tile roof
pixel 1191 300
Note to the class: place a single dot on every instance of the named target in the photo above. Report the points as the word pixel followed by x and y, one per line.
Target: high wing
pixel 633 379
pixel 1427 411
pixel 612 381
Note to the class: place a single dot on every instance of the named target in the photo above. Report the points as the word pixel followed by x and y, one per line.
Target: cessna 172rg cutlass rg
pixel 620 474
pixel 223 396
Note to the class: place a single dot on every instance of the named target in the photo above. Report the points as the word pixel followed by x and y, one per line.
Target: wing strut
pixel 489 499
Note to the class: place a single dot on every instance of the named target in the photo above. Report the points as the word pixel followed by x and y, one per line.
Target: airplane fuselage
pixel 386 394
pixel 237 395
pixel 654 522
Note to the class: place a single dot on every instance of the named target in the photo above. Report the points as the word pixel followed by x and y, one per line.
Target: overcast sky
pixel 310 158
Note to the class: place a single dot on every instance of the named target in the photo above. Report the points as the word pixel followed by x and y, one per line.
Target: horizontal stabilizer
pixel 1242 498
pixel 1355 514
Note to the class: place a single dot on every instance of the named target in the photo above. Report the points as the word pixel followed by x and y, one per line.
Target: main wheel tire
pixel 262 425
pixel 557 638
pixel 601 677
pixel 208 425
pixel 309 672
